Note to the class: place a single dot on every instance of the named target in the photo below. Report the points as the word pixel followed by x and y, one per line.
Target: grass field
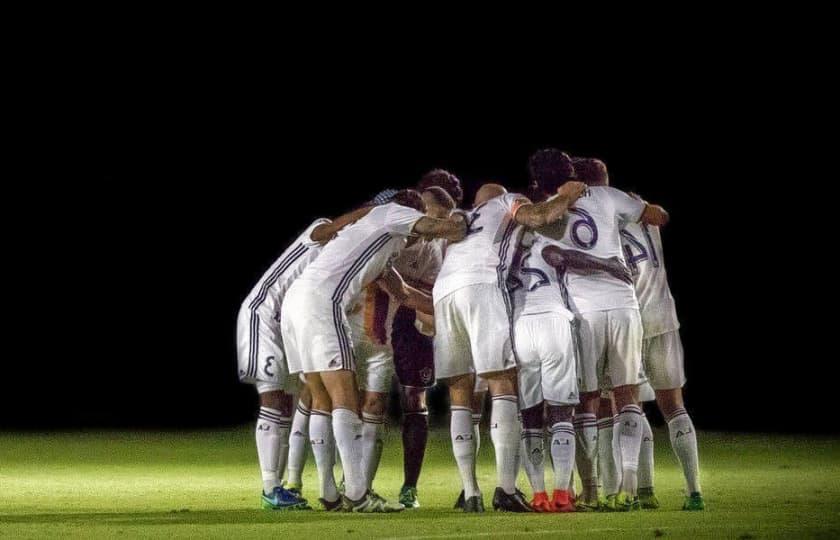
pixel 206 485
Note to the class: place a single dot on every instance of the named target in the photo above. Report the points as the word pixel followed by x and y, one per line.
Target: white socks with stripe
pixel 297 444
pixel 476 420
pixel 371 444
pixel 629 435
pixel 684 443
pixel 646 456
pixel 505 433
pixel 347 428
pixel 608 471
pixel 272 435
pixel 562 453
pixel 533 457
pixel 586 432
pixel 463 448
pixel 323 447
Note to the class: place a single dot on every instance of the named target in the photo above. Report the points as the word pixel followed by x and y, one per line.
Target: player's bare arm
pixel 394 284
pixel 582 263
pixel 654 215
pixel 453 228
pixel 325 232
pixel 537 215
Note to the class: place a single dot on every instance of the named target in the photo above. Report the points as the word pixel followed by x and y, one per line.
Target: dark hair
pixel 550 168
pixel 591 171
pixel 441 197
pixel 442 179
pixel 411 199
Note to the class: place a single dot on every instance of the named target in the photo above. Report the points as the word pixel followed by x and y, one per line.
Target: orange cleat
pixel 541 503
pixel 561 501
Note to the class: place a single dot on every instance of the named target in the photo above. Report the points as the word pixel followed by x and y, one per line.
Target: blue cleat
pixel 282 499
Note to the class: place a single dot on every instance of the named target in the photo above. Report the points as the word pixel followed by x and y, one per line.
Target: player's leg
pixel 667 376
pixel 609 472
pixel 272 431
pixel 323 442
pixel 478 401
pixel 373 424
pixel 461 433
pixel 646 462
pixel 415 434
pixel 347 428
pixel 298 440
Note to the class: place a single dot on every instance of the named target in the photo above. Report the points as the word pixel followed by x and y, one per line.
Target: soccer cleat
pixel 540 503
pixel 281 499
pixel 474 505
pixel 502 502
pixel 648 499
pixel 460 502
pixel 562 501
pixel 389 506
pixel 627 503
pixel 408 497
pixel 334 506
pixel 370 503
pixel 694 502
pixel 610 504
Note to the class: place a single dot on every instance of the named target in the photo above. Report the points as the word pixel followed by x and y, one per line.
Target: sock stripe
pixel 317 412
pixel 678 412
pixel 632 409
pixel 459 408
pixel 303 410
pixel 506 397
pixel 373 418
pixel 275 417
pixel 605 423
pixel 421 413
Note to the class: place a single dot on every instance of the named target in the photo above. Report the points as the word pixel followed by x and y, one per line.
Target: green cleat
pixel 611 504
pixel 627 503
pixel 408 497
pixel 582 505
pixel 648 499
pixel 694 503
pixel 371 503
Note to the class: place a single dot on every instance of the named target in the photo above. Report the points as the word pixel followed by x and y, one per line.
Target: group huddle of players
pixel 556 303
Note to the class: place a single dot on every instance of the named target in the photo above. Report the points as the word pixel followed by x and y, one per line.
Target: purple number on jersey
pixel 586 222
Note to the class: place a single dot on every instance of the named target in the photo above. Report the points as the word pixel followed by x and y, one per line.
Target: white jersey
pixel 420 263
pixel 484 256
pixel 592 226
pixel 533 283
pixel 360 253
pixel 266 297
pixel 643 253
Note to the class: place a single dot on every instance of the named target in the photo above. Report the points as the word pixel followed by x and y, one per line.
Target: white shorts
pixel 374 363
pixel 663 360
pixel 472 332
pixel 316 334
pixel 547 360
pixel 646 393
pixel 610 349
pixel 259 350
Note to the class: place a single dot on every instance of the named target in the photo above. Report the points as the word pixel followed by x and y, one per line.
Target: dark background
pixel 167 211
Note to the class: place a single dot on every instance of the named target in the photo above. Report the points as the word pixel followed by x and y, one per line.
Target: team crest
pixel 426 375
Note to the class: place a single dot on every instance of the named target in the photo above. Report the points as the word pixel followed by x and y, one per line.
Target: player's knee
pixel 624 395
pixel 559 413
pixel 374 403
pixel 588 402
pixel 669 400
pixel 413 399
pixel 461 390
pixel 274 399
pixel 502 383
pixel 606 408
pixel 532 417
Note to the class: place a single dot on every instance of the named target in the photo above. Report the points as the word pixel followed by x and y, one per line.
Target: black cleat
pixel 474 505
pixel 334 506
pixel 459 504
pixel 502 502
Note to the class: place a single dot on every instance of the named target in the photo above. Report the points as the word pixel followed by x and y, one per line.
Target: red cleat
pixel 561 501
pixel 541 503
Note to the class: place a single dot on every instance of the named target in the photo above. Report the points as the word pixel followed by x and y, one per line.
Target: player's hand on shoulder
pixel 572 190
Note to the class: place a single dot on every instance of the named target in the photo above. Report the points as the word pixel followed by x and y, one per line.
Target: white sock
pixel 323 447
pixel 586 433
pixel 297 444
pixel 608 470
pixel 476 420
pixel 533 457
pixel 372 427
pixel 347 428
pixel 562 453
pixel 504 432
pixel 684 443
pixel 629 444
pixel 272 435
pixel 463 448
pixel 646 456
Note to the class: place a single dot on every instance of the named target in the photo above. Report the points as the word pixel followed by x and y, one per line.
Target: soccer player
pixel 262 361
pixel 316 332
pixel 662 349
pixel 473 331
pixel 610 329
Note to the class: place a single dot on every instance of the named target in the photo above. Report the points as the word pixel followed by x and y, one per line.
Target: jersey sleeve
pixel 400 219
pixel 514 201
pixel 307 234
pixel 627 208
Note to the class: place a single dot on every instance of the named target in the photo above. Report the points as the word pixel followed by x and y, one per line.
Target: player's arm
pixel 453 228
pixel 654 214
pixel 537 215
pixel 581 263
pixel 325 232
pixel 392 282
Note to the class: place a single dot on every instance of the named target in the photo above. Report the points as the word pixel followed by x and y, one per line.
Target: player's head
pixel 487 192
pixel 591 171
pixel 439 204
pixel 443 179
pixel 548 169
pixel 411 199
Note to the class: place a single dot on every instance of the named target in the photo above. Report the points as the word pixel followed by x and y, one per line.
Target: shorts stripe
pixel 500 273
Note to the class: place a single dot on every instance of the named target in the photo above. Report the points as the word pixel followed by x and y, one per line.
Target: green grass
pixel 206 485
